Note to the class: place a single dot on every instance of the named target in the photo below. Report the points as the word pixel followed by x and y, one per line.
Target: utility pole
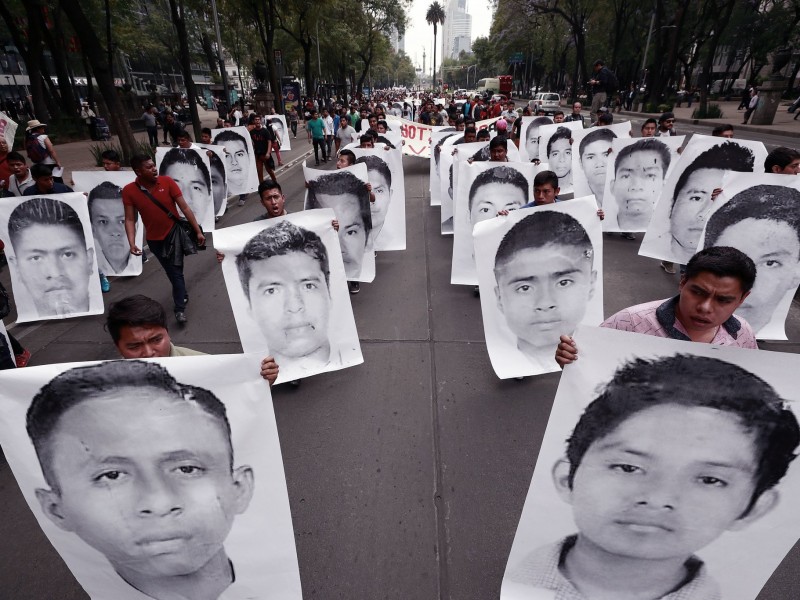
pixel 423 64
pixel 222 71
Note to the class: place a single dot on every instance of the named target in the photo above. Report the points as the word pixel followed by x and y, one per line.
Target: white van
pixel 490 84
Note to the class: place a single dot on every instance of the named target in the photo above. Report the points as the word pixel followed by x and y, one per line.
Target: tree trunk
pixel 720 24
pixel 434 57
pixel 178 11
pixel 105 80
pixel 58 51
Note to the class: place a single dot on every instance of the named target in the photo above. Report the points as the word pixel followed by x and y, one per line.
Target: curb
pixel 713 122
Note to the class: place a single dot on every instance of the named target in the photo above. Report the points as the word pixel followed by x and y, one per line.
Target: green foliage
pixel 141 147
pixel 712 111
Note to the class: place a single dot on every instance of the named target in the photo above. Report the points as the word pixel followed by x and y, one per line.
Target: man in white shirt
pixel 20 179
pixel 327 119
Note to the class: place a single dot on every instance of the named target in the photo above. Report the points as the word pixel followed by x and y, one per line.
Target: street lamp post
pixel 475 66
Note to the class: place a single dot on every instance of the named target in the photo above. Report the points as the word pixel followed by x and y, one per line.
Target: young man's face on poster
pixel 157 509
pixel 290 301
pixel 352 230
pixel 774 247
pixel 636 185
pixel 108 227
pixel 55 266
pixel 689 213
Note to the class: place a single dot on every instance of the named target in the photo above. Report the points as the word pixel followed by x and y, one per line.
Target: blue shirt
pixel 58 188
pixel 529 204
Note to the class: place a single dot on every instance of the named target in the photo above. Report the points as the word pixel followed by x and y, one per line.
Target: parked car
pixel 549 102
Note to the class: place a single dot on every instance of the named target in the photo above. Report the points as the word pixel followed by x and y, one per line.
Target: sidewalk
pixel 784 123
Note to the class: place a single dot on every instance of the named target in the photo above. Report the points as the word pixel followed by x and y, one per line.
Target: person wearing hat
pixel 600 83
pixel 39 147
pixel 666 124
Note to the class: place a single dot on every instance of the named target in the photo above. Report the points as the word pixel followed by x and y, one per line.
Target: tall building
pixel 397 40
pixel 457 29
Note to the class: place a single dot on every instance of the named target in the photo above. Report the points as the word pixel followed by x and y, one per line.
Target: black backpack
pixel 36 152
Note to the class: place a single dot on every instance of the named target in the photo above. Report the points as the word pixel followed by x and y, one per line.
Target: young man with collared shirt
pixel 157 223
pixel 21 178
pixel 716 282
pixel 316 134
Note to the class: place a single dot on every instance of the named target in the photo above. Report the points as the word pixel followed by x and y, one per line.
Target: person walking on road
pixel 139 198
pixel 150 119
pixel 316 135
pixel 602 83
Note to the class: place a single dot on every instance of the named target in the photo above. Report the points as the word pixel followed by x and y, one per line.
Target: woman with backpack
pixel 40 149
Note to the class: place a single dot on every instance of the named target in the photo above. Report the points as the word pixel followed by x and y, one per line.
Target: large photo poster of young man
pixel 666 471
pixel 155 479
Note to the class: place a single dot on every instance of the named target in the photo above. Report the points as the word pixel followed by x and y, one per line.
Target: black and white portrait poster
pixel 345 191
pixel 540 272
pixel 155 479
pixel 450 156
pixel 687 196
pixel 385 172
pixel 665 472
pixel 278 124
pixel 240 157
pixel 191 170
pixel 759 214
pixel 635 175
pixel 107 215
pixel 219 176
pixel 8 129
pixel 591 149
pixel 287 285
pixel 529 136
pixel 438 138
pixel 51 256
pixel 484 188
pixel 555 148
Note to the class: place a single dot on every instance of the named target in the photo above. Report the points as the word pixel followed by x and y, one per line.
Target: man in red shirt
pixel 157 223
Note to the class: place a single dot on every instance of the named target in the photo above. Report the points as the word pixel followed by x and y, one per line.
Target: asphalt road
pixel 406 474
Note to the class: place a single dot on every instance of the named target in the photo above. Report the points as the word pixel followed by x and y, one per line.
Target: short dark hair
pixel 505 175
pixel 228 135
pixel 16 157
pixel 728 156
pixel 351 156
pixel 183 134
pixel 779 157
pixel 649 121
pixel 43 211
pixel 111 155
pixel 498 141
pixel 645 145
pixel 537 122
pixel 377 164
pixel 484 135
pixel 134 311
pixel 185 156
pixel 558 112
pixel 137 160
pixel 41 170
pixel 605 119
pixel 545 177
pixel 596 135
pixel 723 261
pixel 281 239
pixel 206 130
pixel 761 202
pixel 338 183
pixel 268 184
pixel 665 116
pixel 562 133
pixel 539 229
pixel 720 129
pixel 694 381
pixel 105 190
pixel 72 387
pixel 365 138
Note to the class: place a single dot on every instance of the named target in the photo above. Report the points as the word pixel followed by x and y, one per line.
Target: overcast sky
pixel 419 34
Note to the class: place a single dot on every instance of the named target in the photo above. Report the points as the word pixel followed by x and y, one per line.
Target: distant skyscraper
pixel 397 40
pixel 457 29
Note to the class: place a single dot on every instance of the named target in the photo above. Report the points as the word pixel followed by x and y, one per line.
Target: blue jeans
pixel 174 274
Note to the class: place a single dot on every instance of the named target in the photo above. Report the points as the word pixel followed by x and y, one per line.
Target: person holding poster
pixel 716 282
pixel 649 486
pixel 138 327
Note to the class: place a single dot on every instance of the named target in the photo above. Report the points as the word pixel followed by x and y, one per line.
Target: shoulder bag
pixel 181 239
